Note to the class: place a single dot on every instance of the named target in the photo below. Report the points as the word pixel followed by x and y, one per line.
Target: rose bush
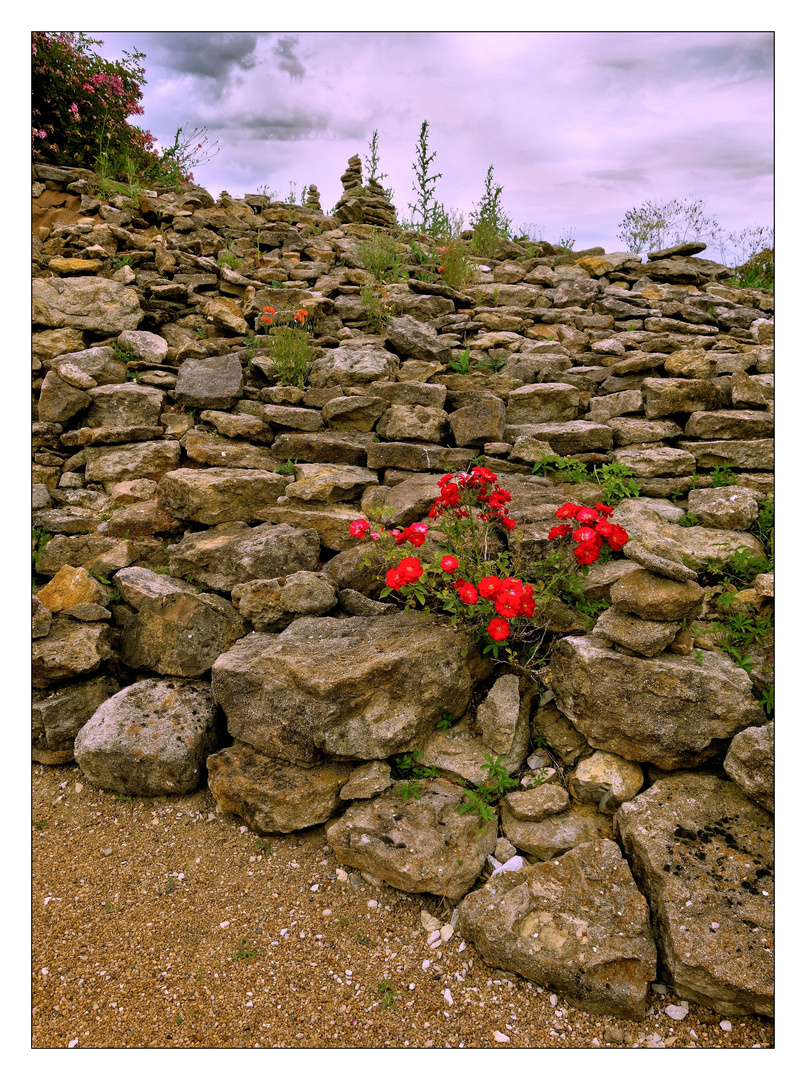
pixel 80 109
pixel 473 584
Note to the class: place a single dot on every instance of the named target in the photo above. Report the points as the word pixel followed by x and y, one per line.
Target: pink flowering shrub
pixel 80 110
pixel 468 579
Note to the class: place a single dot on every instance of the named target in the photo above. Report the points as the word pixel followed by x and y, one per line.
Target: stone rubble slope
pixel 200 596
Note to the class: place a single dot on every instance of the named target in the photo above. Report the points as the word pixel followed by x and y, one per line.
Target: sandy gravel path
pixel 160 923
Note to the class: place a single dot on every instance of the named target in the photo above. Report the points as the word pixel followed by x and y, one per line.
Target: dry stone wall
pixel 202 614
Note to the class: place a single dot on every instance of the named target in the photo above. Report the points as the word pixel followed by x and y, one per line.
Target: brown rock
pixel 650 596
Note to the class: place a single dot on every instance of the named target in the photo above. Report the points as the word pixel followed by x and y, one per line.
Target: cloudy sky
pixel 579 126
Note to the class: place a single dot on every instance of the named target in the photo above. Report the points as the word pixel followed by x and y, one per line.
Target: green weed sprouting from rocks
pixel 764 523
pixel 378 311
pixel 480 800
pixel 488 220
pixel 245 951
pixel 39 539
pixel 289 346
pixel 388 995
pixel 431 214
pixel 230 259
pixel 722 476
pixel 409 789
pixel 568 469
pixel 379 255
pixel 461 362
pixel 616 481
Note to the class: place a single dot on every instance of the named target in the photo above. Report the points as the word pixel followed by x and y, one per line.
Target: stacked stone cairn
pixel 202 614
pixel 312 201
pixel 358 203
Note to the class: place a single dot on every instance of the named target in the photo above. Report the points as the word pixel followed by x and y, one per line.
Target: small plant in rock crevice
pixel 616 481
pixel 722 476
pixel 568 470
pixel 488 220
pixel 288 340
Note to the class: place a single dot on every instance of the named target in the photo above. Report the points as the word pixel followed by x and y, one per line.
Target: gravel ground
pixel 160 923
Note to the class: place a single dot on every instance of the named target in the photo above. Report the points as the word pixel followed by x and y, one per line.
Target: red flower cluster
pixel 594 530
pixel 300 316
pixel 413 534
pixel 482 484
pixel 268 317
pixel 405 573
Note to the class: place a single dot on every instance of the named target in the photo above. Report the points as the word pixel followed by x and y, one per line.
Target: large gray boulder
pixel 702 854
pixel 673 711
pixel 577 924
pixel 152 738
pixel 358 366
pixel 417 844
pixel 213 383
pixel 360 688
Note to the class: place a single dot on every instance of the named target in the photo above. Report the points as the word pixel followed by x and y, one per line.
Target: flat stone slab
pixel 702 853
pixel 577 924
pixel 556 833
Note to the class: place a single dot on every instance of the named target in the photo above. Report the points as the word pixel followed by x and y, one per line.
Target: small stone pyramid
pixel 368 204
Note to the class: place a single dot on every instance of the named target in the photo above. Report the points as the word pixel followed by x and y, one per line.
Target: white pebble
pixel 224 925
pixel 553 999
pixel 429 922
pixel 243 829
pixel 72 1043
pixel 448 996
pixel 426 965
pixel 314 888
pixel 372 903
pixel 499 1036
pixel 677 1012
pixel 446 932
pixel 726 1025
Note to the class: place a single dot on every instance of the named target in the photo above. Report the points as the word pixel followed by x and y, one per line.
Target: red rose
pixel 358 528
pixel 450 564
pixel 508 603
pixel 410 569
pixel 468 593
pixel 567 510
pixel 393 578
pixel 489 587
pixel 498 629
